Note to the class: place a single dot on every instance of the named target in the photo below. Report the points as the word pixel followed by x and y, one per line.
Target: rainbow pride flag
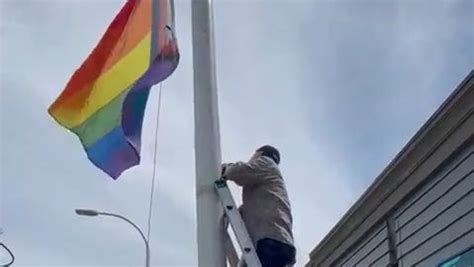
pixel 104 101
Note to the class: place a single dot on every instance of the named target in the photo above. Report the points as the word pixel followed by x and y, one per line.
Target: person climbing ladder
pixel 266 209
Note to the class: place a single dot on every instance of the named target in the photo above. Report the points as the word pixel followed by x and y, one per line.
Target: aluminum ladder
pixel 232 216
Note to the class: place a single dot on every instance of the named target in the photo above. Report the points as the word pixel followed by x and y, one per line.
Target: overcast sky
pixel 338 86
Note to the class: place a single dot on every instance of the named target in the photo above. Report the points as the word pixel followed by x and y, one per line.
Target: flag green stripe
pixel 101 122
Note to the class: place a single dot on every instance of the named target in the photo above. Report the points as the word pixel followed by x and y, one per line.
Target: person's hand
pixel 223 169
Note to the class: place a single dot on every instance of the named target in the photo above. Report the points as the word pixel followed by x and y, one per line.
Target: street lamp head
pixel 87 212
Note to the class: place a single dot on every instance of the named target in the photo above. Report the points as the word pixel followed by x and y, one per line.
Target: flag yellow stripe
pixel 110 84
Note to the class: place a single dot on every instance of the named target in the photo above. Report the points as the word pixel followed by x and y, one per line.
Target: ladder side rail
pixel 230 250
pixel 248 251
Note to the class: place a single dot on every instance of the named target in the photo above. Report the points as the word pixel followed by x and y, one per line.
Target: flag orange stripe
pixel 138 27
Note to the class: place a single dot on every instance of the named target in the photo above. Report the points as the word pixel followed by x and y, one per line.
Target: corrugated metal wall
pixel 374 249
pixel 437 222
pixel 434 225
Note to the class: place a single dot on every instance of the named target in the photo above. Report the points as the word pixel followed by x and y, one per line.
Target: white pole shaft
pixel 210 234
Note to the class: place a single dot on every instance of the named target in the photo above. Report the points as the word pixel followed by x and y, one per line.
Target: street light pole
pixel 83 212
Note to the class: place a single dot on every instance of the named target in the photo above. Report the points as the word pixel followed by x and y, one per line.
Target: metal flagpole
pixel 210 234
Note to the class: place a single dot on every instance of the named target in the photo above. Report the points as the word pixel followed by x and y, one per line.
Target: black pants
pixel 273 253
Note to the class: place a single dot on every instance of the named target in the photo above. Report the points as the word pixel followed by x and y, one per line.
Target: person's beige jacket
pixel 266 209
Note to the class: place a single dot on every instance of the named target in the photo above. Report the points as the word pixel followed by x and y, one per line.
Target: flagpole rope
pixel 150 210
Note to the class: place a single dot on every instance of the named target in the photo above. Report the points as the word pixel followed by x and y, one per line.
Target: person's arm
pixel 245 173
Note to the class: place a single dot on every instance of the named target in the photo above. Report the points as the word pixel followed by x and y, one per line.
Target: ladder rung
pixel 249 255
